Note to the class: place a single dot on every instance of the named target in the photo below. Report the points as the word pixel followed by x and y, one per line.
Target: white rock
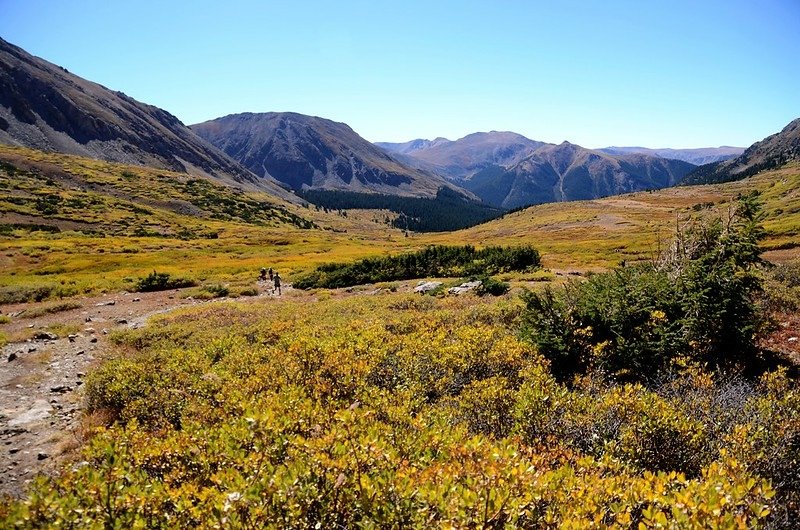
pixel 427 286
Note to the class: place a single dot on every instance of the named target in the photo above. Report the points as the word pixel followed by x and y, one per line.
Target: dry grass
pixel 58 307
pixel 576 236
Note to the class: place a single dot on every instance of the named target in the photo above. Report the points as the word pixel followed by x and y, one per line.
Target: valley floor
pixel 42 407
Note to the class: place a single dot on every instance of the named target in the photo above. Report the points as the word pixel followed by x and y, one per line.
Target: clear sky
pixel 677 73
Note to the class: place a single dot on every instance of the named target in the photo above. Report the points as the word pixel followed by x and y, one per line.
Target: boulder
pixel 426 287
pixel 465 287
pixel 45 335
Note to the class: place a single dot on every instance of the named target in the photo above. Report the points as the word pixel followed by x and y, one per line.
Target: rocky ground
pixel 42 374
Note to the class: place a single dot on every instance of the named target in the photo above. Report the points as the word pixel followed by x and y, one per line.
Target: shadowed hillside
pixel 307 152
pixel 43 106
pixel 771 152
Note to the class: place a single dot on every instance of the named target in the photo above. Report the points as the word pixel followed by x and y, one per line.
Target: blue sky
pixel 597 73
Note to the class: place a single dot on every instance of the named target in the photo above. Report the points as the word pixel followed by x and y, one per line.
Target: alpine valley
pixel 266 321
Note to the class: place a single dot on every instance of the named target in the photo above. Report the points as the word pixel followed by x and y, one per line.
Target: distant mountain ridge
pixel 697 156
pixel 45 107
pixel 308 152
pixel 771 152
pixel 568 172
pixel 462 158
pixel 508 170
pixel 411 146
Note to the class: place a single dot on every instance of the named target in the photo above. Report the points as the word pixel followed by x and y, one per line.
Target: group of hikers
pixel 273 277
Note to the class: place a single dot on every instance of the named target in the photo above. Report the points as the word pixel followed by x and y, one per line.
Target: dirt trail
pixel 41 376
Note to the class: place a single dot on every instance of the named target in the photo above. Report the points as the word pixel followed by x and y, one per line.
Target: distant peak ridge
pixel 506 169
pixel 697 156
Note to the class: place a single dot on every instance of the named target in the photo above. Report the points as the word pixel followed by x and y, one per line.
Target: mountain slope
pixel 45 107
pixel 307 152
pixel 68 192
pixel 699 156
pixel 771 152
pixel 568 172
pixel 462 158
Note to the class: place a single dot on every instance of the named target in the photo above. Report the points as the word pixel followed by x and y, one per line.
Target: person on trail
pixel 270 274
pixel 277 283
pixel 263 276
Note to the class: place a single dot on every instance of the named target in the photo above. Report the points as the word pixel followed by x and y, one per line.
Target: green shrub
pixel 492 286
pixel 782 287
pixel 208 292
pixel 161 281
pixel 432 261
pixel 52 308
pixel 697 301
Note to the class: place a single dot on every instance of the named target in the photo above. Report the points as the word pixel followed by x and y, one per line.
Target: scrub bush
pixel 698 301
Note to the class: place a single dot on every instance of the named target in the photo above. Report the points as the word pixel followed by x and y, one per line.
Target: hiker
pixel 263 276
pixel 270 274
pixel 277 283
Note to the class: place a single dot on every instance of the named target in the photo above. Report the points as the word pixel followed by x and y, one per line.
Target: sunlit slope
pixel 100 225
pixel 603 232
pixel 104 225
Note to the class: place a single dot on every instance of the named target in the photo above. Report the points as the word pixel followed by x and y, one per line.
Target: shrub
pixel 161 281
pixel 208 292
pixel 52 308
pixel 23 293
pixel 432 261
pixel 782 288
pixel 768 445
pixel 492 286
pixel 698 300
pixel 366 412
pixel 486 406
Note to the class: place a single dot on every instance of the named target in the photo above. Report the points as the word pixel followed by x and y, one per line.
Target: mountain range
pixel 567 172
pixel 698 156
pixel 462 158
pixel 307 152
pixel 508 170
pixel 45 107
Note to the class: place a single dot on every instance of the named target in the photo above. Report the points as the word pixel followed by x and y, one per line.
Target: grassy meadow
pixel 117 223
pixel 101 226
